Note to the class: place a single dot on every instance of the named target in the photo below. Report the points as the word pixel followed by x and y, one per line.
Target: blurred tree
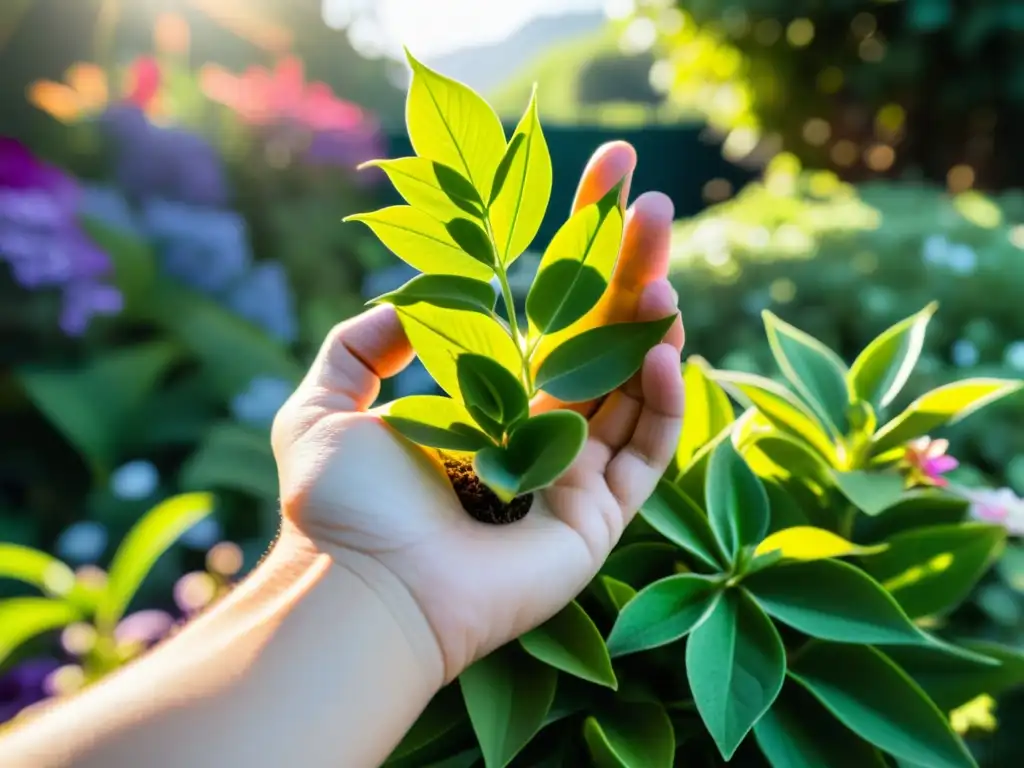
pixel 617 77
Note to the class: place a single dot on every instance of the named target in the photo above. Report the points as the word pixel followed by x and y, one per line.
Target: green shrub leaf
pixel 439 336
pixel 814 370
pixel 232 457
pixel 692 480
pixel 522 188
pixel 472 239
pixel 431 187
pixel 880 371
pixel 436 422
pixel 508 695
pixel 663 612
pixel 779 406
pixel 445 291
pixel 619 593
pixel 148 539
pixel 807 543
pixel 737 502
pixel 941 407
pixel 630 735
pixel 676 517
pixel 640 563
pixel 736 665
pixel 932 570
pixel 708 411
pixel 599 360
pixel 432 728
pixel 422 242
pixel 571 642
pixel 32 566
pixel 539 450
pixel 576 267
pixel 798 732
pixel 489 389
pixel 22 618
pixel 871 492
pixel 880 703
pixel 450 123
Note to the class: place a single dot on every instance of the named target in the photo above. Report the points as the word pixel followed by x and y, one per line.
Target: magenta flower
pixel 926 461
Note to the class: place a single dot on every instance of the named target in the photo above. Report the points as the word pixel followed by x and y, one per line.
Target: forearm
pixel 304 664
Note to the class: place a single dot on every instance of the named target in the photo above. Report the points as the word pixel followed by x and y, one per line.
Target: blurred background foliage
pixel 174 174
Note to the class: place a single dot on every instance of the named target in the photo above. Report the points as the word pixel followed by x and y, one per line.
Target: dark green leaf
pixel 232 457
pixel 436 422
pixel 675 516
pixel 814 370
pixel 576 266
pixel 663 612
pixel 915 508
pixel 508 695
pixel 22 618
pixel 737 502
pixel 134 262
pixel 599 360
pixel 736 665
pixel 490 389
pixel 871 492
pixel 880 703
pixel 472 239
pixel 539 450
pixel 932 570
pixel 619 593
pixel 501 173
pixel 571 642
pixel 633 735
pixel 640 563
pixel 880 371
pixel 441 717
pixel 446 291
pixel 797 732
pixel 708 411
pixel 940 407
pixel 430 186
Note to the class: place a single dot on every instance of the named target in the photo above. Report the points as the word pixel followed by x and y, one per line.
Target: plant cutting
pixel 475 201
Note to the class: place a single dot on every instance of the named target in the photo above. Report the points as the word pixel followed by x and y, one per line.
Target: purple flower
pixel 24 685
pixel 264 298
pixel 1000 507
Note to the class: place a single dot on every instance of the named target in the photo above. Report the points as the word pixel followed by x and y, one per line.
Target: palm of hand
pixel 357 489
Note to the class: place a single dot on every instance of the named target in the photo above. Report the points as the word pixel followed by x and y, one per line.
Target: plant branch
pixel 510 308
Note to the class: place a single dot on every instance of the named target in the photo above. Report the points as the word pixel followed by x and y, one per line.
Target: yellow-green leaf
pixel 523 184
pixel 446 291
pixel 452 124
pixel 440 335
pixel 431 187
pixel 421 241
pixel 22 618
pixel 880 371
pixel 630 735
pixel 708 411
pixel 806 542
pixel 31 566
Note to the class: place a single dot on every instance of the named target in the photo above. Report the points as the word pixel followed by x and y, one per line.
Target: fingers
pixel 607 166
pixel 357 354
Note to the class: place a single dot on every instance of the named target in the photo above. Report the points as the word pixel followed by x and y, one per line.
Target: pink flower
pixel 1000 507
pixel 926 461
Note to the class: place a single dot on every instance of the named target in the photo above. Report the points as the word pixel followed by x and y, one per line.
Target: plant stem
pixel 510 309
pixel 847 519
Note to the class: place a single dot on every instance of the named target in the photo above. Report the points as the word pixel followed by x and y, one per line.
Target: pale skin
pixel 378 592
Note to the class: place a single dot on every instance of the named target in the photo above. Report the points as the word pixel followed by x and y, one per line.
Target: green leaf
pixel 932 570
pixel 539 450
pixel 571 642
pixel 430 186
pixel 576 267
pixel 916 508
pixel 422 242
pixel 640 563
pixel 663 612
pixel 489 389
pixel 445 291
pixel 871 492
pixel 472 239
pixel 450 123
pixel 436 422
pixel 736 665
pixel 630 735
pixel 619 593
pixel 22 618
pixel 832 600
pixel 233 457
pixel 814 370
pixel 31 566
pixel 599 360
pixel 508 695
pixel 941 407
pixel 798 732
pixel 522 187
pixel 880 371
pixel 880 703
pixel 708 411
pixel 737 502
pixel 676 517
pixel 779 406
pixel 432 728
pixel 440 335
pixel 692 480
pixel 93 406
pixel 134 262
pixel 148 539
pixel 807 543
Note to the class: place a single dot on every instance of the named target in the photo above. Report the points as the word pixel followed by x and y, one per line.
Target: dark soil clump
pixel 480 501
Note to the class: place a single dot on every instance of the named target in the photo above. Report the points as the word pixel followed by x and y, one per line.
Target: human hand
pixel 384 507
